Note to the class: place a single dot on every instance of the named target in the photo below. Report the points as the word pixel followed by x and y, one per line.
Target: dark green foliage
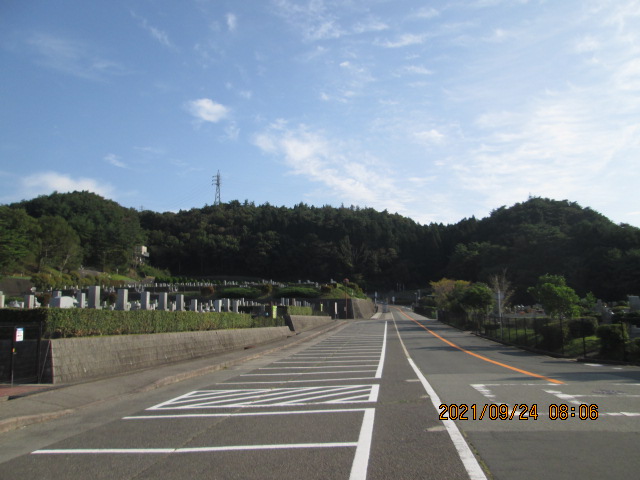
pixel 375 249
pixel 107 232
pixel 582 327
pixel 207 291
pixel 553 336
pixel 239 292
pixel 297 292
pixel 294 310
pixel 61 323
pixel 612 340
pixel 17 232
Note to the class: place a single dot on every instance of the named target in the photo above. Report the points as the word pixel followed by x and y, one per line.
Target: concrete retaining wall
pixel 361 308
pixel 75 359
pixel 301 323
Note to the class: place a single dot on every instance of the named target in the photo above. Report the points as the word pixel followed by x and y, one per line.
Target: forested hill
pixel 375 249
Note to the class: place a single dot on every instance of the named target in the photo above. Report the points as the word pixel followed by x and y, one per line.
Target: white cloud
pixel 72 57
pixel 206 110
pixel 47 182
pixel 417 70
pixel 349 175
pixel 426 12
pixel 159 35
pixel 232 22
pixel 432 136
pixel 115 160
pixel 404 40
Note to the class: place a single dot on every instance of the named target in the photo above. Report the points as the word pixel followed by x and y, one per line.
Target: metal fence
pixel 568 337
pixel 22 352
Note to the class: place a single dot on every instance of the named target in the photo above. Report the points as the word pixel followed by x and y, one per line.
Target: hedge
pixel 612 339
pixel 60 322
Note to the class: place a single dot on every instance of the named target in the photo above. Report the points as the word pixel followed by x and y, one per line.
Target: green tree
pixel 557 299
pixel 477 298
pixel 17 233
pixel 447 293
pixel 58 244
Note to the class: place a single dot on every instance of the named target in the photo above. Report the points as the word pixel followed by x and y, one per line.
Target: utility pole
pixel 217 183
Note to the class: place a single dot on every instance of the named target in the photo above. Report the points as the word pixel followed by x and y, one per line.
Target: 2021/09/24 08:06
pixel 520 411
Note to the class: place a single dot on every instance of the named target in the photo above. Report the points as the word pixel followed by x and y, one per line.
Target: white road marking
pixel 328 366
pixel 363 450
pixel 564 396
pixel 229 448
pixel 298 381
pixel 328 361
pixel 469 460
pixel 303 373
pixel 384 348
pixel 242 414
pixel 264 397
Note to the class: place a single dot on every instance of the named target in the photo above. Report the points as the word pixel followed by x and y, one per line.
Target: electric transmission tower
pixel 217 183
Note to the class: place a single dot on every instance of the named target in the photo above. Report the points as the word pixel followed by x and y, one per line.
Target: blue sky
pixel 437 110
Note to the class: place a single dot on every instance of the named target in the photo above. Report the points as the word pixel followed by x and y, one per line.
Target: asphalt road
pixel 362 401
pixel 470 372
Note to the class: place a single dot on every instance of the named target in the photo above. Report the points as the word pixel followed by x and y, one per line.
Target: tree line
pixel 377 250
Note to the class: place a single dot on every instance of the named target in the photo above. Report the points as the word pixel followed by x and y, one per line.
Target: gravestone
pixel 194 305
pixel 1 300
pixel 180 302
pixel 80 299
pixel 217 305
pixel 162 301
pixel 145 298
pixel 634 303
pixel 234 306
pixel 29 301
pixel 123 299
pixel 62 302
pixel 94 297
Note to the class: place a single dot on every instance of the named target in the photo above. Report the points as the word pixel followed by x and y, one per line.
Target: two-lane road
pixel 360 402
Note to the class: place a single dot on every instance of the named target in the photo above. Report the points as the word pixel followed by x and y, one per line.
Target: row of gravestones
pixel 91 299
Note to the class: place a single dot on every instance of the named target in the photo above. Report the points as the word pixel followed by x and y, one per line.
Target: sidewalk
pixel 28 404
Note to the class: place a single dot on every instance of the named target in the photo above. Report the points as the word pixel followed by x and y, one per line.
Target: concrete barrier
pixel 301 323
pixel 76 359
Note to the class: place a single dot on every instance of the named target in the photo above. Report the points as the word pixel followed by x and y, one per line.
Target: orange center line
pixel 481 357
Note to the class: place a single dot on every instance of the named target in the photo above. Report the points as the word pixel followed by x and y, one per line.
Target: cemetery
pixel 81 333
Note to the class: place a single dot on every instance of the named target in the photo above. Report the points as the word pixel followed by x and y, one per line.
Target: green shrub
pixel 582 327
pixel 297 292
pixel 612 339
pixel 294 310
pixel 207 291
pixel 61 322
pixel 239 292
pixel 553 336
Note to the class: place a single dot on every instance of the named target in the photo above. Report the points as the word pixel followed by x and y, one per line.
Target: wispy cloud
pixel 232 22
pixel 206 110
pixel 47 182
pixel 159 35
pixel 72 57
pixel 317 20
pixel 404 40
pixel 351 175
pixel 115 160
